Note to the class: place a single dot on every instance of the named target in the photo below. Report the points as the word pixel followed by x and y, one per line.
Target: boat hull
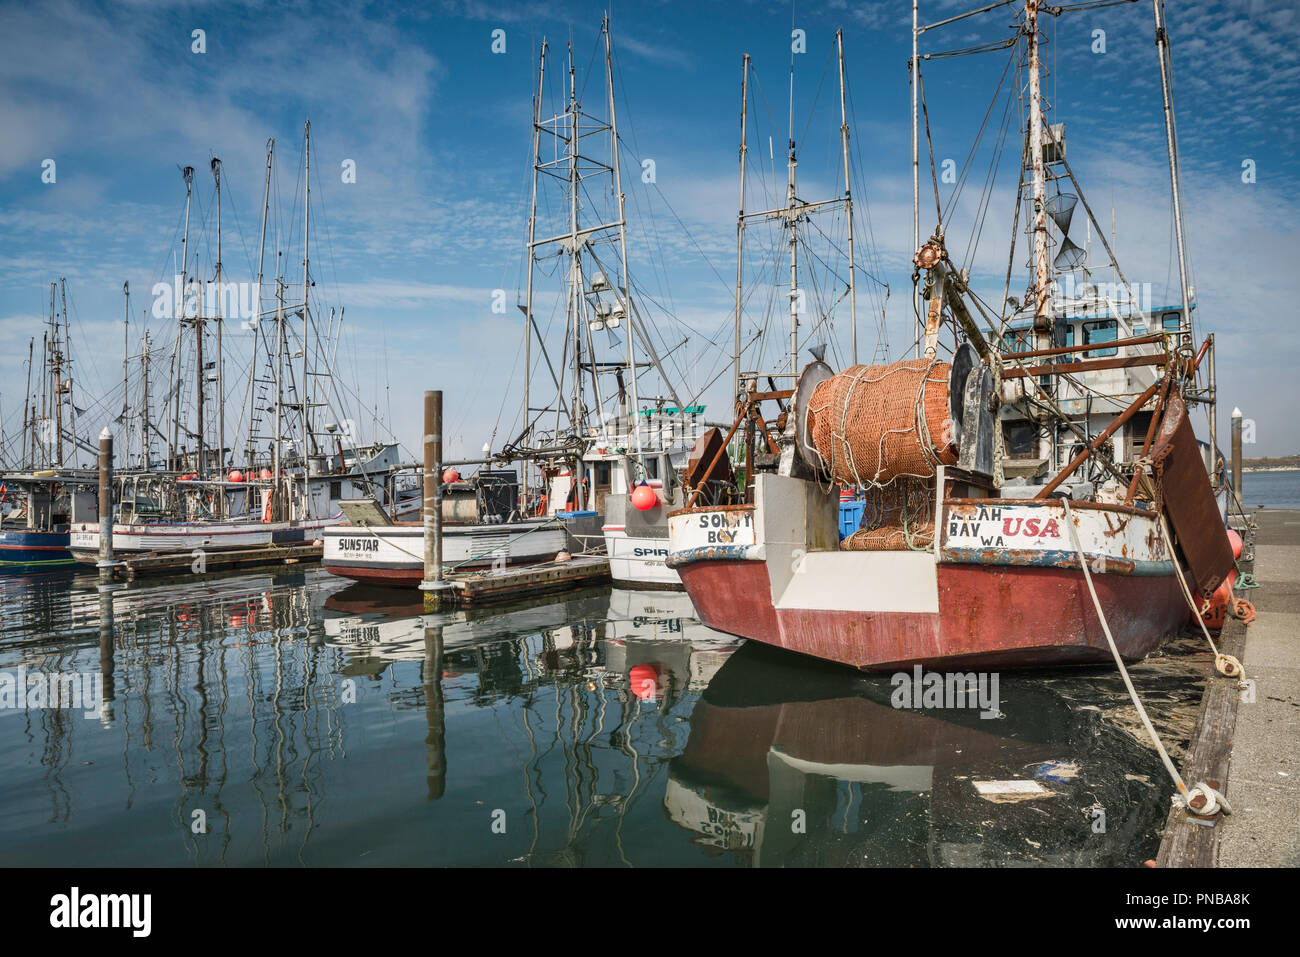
pixel 165 537
pixel 988 617
pixel 394 554
pixel 1002 588
pixel 32 550
pixel 637 561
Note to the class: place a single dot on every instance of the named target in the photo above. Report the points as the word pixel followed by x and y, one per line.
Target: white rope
pixel 1123 671
pixel 1227 665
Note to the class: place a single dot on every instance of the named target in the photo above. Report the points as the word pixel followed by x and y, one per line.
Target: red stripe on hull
pixel 990 617
pixel 400 577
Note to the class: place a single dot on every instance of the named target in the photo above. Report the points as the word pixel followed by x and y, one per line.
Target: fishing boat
pixel 296 467
pixel 635 526
pixel 952 565
pixel 482 528
pixel 47 492
pixel 596 457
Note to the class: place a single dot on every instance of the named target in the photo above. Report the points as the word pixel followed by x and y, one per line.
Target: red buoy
pixel 645 681
pixel 266 475
pixel 235 475
pixel 450 475
pixel 644 498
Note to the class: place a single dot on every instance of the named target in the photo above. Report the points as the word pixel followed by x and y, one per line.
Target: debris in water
pixel 1001 792
pixel 1057 770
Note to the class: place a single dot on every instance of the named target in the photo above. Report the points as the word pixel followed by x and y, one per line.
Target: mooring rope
pixel 1227 665
pixel 1210 800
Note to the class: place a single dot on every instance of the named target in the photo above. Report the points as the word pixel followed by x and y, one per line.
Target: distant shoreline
pixel 1270 468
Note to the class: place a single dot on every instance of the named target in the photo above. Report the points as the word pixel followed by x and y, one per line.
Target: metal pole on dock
pixel 105 564
pixel 1236 453
pixel 434 585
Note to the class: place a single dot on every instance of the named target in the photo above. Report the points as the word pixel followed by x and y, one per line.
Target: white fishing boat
pixel 635 527
pixel 482 528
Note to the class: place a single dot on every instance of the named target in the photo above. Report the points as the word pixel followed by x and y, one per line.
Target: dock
pixel 507 584
pixel 1244 742
pixel 183 563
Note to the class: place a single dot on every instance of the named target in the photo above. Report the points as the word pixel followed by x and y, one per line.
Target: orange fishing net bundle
pixel 873 424
pixel 895 517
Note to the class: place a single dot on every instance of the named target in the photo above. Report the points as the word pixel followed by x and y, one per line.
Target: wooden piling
pixel 105 563
pixel 1236 452
pixel 435 587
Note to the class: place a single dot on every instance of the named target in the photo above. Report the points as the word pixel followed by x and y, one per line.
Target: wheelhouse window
pixel 1103 330
pixel 1171 321
pixel 1021 440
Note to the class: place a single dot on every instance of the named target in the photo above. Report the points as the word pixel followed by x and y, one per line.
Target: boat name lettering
pixel 359 544
pixel 991 536
pixel 722 520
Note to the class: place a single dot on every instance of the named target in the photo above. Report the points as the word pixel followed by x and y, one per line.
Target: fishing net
pixel 895 517
pixel 874 424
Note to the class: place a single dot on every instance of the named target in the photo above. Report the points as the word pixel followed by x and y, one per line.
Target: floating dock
pixel 1244 742
pixel 186 563
pixel 507 584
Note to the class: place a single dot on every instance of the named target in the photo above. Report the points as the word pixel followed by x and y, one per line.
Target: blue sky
pixel 438 127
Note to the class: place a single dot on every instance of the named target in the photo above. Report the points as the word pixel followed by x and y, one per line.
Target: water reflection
pixel 288 718
pixel 814 766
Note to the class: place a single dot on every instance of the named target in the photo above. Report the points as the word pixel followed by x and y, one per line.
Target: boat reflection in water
pixel 795 762
pixel 286 718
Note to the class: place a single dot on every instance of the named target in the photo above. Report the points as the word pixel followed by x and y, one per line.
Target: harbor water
pixel 1271 489
pixel 294 719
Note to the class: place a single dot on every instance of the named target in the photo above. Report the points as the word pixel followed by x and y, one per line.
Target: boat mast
pixel 257 327
pixel 1171 136
pixel 848 199
pixel 221 383
pixel 173 450
pixel 279 392
pixel 27 422
pixel 792 163
pixel 67 361
pixel 308 438
pixel 528 293
pixel 58 371
pixel 575 279
pixel 1185 328
pixel 145 436
pixel 1042 289
pixel 45 384
pixel 1042 317
pixel 126 366
pixel 740 218
pixel 622 244
pixel 916 187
